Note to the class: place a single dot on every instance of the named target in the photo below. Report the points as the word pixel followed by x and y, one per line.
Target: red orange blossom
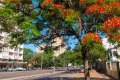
pixel 112 25
pixel 91 38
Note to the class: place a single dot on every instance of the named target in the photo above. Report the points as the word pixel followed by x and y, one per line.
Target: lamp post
pixel 54 62
pixel 41 60
pixel 41 50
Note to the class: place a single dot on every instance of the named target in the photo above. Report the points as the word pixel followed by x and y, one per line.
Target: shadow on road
pixel 70 78
pixel 56 77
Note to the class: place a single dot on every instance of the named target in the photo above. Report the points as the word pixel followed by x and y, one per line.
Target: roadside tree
pixel 44 20
pixel 28 56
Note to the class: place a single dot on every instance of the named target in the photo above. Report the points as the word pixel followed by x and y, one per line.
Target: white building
pixel 58 44
pixel 39 49
pixel 111 49
pixel 9 55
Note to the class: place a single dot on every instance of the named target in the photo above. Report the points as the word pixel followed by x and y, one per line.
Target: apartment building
pixel 112 50
pixel 39 49
pixel 9 56
pixel 58 45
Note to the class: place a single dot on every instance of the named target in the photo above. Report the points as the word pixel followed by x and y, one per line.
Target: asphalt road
pixel 34 75
pixel 50 75
pixel 24 74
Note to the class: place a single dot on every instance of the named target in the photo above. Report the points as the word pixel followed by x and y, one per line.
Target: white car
pixel 20 69
pixel 82 69
pixel 11 69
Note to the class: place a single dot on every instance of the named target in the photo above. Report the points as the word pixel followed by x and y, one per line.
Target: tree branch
pixel 80 26
pixel 70 2
pixel 77 35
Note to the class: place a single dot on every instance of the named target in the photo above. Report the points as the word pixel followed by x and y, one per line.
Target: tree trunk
pixel 86 70
pixel 85 62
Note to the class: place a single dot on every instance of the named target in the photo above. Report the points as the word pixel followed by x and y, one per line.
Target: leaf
pixel 35 32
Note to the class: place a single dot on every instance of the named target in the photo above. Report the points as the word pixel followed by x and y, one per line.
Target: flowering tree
pixel 44 20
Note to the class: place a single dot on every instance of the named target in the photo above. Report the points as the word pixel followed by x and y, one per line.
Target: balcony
pixel 20 58
pixel 0 49
pixel 11 49
pixel 11 56
pixel 1 35
pixel 1 42
pixel 0 55
pixel 15 58
pixel 5 55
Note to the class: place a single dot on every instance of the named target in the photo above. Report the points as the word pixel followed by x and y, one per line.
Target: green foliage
pixel 39 25
pixel 28 26
pixel 28 55
pixel 91 1
pixel 98 51
pixel 7 19
pixel 109 1
pixel 45 59
pixel 68 57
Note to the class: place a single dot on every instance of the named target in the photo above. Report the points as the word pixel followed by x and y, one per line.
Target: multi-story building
pixel 113 51
pixel 9 56
pixel 39 49
pixel 58 45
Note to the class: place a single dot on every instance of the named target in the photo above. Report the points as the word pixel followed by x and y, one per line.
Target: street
pixel 18 74
pixel 51 75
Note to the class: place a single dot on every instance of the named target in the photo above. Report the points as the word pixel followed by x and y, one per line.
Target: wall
pixel 113 69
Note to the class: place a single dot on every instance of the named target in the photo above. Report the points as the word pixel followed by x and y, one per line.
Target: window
pixel 11 47
pixel 0 31
pixel 20 49
pixel 10 53
pixel 0 38
pixel 20 54
pixel 16 49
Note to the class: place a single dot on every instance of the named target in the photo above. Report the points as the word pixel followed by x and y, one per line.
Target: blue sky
pixel 72 42
pixel 30 46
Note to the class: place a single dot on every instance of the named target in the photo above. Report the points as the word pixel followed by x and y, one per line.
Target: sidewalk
pixel 75 75
pixel 94 74
pixel 62 75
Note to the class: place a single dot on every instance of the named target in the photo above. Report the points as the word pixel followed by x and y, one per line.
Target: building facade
pixel 39 49
pixel 112 50
pixel 9 56
pixel 58 45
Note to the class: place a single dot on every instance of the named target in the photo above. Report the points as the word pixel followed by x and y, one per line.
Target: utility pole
pixel 40 49
pixel 41 60
pixel 54 62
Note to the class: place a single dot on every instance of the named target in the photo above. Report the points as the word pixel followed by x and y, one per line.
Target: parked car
pixel 0 69
pixel 11 69
pixel 82 69
pixel 20 69
pixel 4 69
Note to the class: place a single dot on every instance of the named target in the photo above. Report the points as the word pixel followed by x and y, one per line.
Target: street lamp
pixel 54 61
pixel 41 48
pixel 41 60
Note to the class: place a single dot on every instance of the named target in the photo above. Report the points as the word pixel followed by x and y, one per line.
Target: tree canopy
pixel 43 20
pixel 51 18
